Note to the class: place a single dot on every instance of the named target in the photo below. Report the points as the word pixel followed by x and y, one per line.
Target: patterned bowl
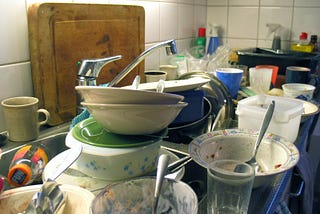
pixel 114 164
pixel 275 154
pixel 136 196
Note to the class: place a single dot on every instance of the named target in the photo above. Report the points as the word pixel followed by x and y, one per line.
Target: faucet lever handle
pixel 92 67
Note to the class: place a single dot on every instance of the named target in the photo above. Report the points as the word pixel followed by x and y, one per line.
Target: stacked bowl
pixel 122 138
pixel 131 112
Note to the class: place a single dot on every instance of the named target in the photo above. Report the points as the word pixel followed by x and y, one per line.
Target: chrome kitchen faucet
pixel 171 49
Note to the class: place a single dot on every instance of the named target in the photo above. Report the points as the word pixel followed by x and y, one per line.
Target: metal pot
pixel 216 92
pixel 186 132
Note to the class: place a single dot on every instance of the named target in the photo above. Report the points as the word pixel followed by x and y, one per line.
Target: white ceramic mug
pixel 21 116
pixel 155 75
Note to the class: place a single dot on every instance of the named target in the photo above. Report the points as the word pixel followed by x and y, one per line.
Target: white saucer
pixel 73 176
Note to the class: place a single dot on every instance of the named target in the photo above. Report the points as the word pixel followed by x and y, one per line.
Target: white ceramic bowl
pixel 113 164
pixel 17 200
pixel 74 176
pixel 298 90
pixel 275 154
pixel 134 119
pixel 136 196
pixel 105 95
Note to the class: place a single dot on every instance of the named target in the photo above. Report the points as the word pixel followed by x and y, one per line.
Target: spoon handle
pixel 265 124
pixel 163 163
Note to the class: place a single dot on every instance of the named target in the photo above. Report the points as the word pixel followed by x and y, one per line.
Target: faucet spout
pixel 90 68
pixel 171 49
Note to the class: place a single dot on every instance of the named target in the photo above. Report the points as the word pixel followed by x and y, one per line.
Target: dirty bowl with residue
pixel 275 154
pixel 136 197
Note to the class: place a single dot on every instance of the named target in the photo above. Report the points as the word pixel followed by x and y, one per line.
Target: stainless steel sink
pixel 282 58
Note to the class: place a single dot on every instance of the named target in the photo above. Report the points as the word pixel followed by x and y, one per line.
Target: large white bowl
pixel 299 90
pixel 134 119
pixel 275 154
pixel 114 164
pixel 136 197
pixel 17 200
pixel 105 95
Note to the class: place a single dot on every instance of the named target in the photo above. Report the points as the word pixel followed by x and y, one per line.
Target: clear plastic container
pixel 286 118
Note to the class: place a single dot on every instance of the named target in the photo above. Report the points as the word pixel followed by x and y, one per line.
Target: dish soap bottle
pixel 198 50
pixel 27 165
pixel 214 41
pixel 303 44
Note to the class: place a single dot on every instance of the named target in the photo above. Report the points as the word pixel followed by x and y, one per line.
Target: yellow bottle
pixel 303 44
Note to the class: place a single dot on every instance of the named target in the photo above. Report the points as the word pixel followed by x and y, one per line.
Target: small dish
pixel 175 85
pixel 309 109
pixel 73 176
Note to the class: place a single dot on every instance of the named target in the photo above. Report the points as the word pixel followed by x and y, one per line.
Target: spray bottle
pixel 275 29
pixel 214 41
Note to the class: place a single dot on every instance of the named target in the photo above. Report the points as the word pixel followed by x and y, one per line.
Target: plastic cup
pixel 229 186
pixel 231 78
pixel 275 70
pixel 260 79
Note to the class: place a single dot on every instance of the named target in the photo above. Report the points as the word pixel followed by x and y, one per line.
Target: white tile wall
pixel 242 25
pixel 243 22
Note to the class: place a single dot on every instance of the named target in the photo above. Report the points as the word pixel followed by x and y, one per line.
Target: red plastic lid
pixel 202 32
pixel 303 35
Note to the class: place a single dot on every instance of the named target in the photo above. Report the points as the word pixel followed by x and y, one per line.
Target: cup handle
pixel 46 114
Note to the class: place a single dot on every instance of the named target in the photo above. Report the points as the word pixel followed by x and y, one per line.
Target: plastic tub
pixel 286 118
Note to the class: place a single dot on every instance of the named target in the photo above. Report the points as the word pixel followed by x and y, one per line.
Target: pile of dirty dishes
pixel 129 111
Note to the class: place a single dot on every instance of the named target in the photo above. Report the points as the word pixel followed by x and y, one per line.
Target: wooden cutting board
pixel 61 34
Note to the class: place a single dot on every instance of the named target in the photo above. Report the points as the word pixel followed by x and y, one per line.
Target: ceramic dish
pixel 134 119
pixel 175 85
pixel 298 90
pixel 73 176
pixel 98 94
pixel 115 163
pixel 136 197
pixel 275 154
pixel 92 133
pixel 16 200
pixel 309 108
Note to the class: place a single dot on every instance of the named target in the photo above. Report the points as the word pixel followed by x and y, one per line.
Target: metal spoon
pixel 263 129
pixel 162 167
pixel 136 82
pixel 50 199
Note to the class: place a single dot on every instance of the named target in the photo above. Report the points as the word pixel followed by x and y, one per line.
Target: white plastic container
pixel 286 118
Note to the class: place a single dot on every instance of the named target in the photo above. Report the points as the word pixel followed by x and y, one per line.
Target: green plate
pixel 90 132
